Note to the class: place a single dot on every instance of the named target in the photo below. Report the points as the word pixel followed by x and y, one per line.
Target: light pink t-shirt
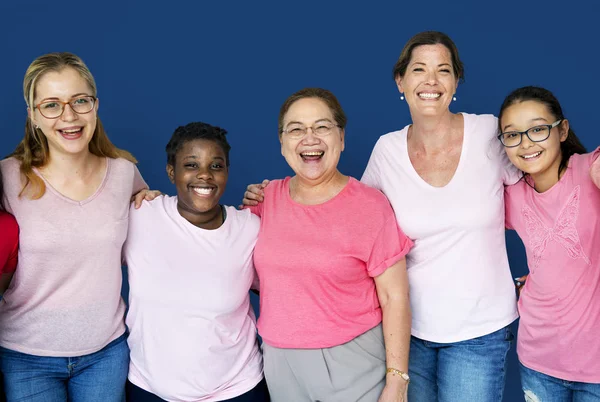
pixel 559 330
pixel 316 264
pixel 192 327
pixel 65 298
pixel 460 282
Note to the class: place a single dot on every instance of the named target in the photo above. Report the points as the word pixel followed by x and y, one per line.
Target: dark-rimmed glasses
pixel 297 131
pixel 511 139
pixel 53 109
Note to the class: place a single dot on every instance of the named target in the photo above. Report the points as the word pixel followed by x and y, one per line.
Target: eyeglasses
pixel 539 133
pixel 297 131
pixel 54 109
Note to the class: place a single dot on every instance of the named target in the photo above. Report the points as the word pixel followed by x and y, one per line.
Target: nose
pixel 204 173
pixel 310 137
pixel 526 142
pixel 432 78
pixel 68 114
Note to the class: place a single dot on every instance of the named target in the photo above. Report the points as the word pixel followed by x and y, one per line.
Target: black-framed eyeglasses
pixel 539 133
pixel 53 109
pixel 297 131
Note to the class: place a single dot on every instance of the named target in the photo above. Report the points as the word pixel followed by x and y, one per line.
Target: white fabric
pixel 460 283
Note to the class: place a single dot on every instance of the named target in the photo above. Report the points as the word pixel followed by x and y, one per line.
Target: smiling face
pixel 429 82
pixel 542 159
pixel 71 133
pixel 200 175
pixel 313 158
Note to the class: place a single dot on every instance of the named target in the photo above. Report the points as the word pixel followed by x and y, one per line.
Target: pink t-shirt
pixel 192 327
pixel 316 264
pixel 559 331
pixel 65 298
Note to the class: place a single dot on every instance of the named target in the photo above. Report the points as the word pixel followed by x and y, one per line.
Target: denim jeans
pixel 471 370
pixel 540 387
pixel 95 377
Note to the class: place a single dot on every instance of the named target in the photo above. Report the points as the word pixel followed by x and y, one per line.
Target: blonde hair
pixel 33 149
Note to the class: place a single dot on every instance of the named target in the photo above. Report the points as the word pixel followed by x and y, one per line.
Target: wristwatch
pixel 402 374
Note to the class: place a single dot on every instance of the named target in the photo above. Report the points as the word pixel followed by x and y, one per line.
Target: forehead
pixel 61 84
pixel 308 110
pixel 526 113
pixel 201 148
pixel 437 52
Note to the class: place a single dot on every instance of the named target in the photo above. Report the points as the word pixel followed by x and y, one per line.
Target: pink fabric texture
pixel 560 301
pixel 316 264
pixel 65 298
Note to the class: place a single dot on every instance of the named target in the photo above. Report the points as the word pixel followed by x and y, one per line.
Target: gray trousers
pixel 354 371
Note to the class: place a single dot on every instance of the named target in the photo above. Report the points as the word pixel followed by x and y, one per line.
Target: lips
pixel 311 155
pixel 531 156
pixel 429 95
pixel 204 191
pixel 71 133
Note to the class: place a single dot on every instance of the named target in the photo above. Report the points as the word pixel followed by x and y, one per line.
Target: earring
pixel 401 97
pixel 37 127
pixel 454 98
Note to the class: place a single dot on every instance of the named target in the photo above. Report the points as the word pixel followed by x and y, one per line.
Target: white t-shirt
pixel 192 327
pixel 460 283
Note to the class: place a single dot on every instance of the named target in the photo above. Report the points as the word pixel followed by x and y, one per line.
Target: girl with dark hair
pixel 9 244
pixel 555 209
pixel 190 267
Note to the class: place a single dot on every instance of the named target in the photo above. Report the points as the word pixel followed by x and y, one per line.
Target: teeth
pixel 315 153
pixel 532 155
pixel 429 96
pixel 71 131
pixel 203 190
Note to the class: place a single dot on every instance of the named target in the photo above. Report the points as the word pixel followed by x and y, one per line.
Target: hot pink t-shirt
pixel 65 298
pixel 192 328
pixel 316 264
pixel 559 331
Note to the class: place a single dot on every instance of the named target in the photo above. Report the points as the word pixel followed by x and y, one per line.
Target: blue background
pixel 164 64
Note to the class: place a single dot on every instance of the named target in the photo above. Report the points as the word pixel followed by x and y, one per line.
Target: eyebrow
pixel 73 96
pixel 537 119
pixel 423 64
pixel 316 121
pixel 194 157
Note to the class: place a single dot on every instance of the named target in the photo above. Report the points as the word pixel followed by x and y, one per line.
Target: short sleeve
pixel 389 247
pixel 372 173
pixel 9 243
pixel 594 162
pixel 138 181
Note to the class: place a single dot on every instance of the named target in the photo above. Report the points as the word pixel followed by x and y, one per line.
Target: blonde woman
pixel 62 332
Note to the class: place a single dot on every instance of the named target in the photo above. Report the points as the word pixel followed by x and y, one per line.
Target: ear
pixel 171 173
pixel 97 105
pixel 399 84
pixel 564 130
pixel 281 143
pixel 343 137
pixel 30 115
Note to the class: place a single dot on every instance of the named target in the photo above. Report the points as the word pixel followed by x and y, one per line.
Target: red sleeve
pixel 9 242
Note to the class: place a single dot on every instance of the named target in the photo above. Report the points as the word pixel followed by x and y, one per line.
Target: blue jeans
pixel 540 387
pixel 95 377
pixel 471 370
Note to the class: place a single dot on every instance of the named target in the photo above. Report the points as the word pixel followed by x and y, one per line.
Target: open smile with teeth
pixel 71 132
pixel 312 155
pixel 429 95
pixel 531 156
pixel 204 191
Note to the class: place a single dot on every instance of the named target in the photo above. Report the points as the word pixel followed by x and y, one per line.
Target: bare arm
pixel 392 291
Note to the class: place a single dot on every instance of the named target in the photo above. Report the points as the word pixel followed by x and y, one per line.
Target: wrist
pixel 397 376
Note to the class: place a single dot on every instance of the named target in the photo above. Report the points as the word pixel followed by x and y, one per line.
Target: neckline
pixel 461 162
pixel 224 210
pixel 85 200
pixel 286 190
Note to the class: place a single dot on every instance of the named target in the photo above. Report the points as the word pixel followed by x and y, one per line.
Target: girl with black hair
pixel 555 209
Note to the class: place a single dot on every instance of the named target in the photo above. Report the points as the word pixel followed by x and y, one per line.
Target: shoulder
pixel 481 123
pixel 394 137
pixel 275 186
pixel 247 220
pixel 584 160
pixel 8 225
pixel 159 206
pixel 10 166
pixel 121 165
pixel 370 196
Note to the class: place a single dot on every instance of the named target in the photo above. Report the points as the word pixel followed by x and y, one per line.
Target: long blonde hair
pixel 33 150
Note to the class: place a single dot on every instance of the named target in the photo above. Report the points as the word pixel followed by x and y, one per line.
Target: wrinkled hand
pixel 520 282
pixel 144 194
pixel 254 194
pixel 394 393
pixel 595 172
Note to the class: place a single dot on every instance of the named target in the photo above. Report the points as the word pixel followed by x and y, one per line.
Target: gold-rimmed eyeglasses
pixel 53 109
